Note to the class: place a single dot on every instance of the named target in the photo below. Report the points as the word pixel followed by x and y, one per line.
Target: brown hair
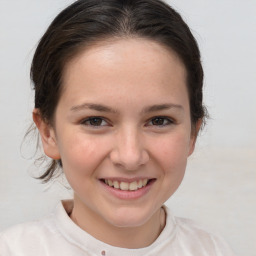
pixel 88 21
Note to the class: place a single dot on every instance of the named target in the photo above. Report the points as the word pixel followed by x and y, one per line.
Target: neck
pixel 125 237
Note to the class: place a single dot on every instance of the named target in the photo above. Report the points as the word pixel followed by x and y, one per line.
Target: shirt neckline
pixel 80 238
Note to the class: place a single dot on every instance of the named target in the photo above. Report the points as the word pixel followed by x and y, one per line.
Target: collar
pixel 78 237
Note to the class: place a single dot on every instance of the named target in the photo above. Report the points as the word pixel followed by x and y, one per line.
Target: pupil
pixel 96 121
pixel 158 121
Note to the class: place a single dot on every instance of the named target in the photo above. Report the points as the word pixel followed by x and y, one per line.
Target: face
pixel 122 130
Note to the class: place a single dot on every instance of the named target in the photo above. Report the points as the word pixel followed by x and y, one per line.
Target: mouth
pixel 127 186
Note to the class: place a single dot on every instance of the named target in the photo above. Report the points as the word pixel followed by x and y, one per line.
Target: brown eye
pixel 160 121
pixel 94 121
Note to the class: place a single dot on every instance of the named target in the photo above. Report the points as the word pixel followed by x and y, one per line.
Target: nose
pixel 128 150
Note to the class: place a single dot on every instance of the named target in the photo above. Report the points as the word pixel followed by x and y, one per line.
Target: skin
pixel 126 78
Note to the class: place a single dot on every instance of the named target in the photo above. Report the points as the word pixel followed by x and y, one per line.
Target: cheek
pixel 81 154
pixel 172 153
pixel 170 156
pixel 173 148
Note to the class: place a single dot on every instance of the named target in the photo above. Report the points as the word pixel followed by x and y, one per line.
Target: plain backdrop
pixel 219 189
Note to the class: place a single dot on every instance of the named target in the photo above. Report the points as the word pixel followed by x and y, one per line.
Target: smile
pixel 127 186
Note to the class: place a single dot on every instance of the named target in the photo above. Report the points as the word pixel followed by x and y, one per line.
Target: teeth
pixel 135 185
pixel 140 184
pixel 116 184
pixel 124 186
pixel 144 182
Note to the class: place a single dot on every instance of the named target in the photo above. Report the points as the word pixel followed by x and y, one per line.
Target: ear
pixel 48 136
pixel 193 137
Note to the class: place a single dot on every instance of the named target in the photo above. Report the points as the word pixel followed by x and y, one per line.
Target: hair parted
pixel 86 22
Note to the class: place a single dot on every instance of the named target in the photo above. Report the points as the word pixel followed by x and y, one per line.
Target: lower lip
pixel 128 194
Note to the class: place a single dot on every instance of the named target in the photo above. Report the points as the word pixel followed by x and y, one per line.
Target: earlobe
pixel 47 135
pixel 194 135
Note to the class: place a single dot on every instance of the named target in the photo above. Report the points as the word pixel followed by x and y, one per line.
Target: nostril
pixel 129 160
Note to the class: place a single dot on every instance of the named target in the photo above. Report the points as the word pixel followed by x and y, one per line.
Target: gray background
pixel 219 189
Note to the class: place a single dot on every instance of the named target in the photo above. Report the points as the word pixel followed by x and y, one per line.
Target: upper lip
pixel 128 180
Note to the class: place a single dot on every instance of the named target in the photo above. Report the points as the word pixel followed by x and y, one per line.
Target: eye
pixel 94 121
pixel 160 121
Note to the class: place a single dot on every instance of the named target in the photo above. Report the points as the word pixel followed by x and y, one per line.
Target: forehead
pixel 134 65
pixel 123 50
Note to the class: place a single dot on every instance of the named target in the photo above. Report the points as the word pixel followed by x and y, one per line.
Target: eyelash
pixel 88 121
pixel 165 121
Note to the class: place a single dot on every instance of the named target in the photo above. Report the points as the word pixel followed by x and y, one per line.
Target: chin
pixel 126 218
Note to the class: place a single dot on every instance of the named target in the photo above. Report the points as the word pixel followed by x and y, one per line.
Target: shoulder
pixel 28 227
pixel 197 238
pixel 190 227
pixel 31 234
pixel 41 237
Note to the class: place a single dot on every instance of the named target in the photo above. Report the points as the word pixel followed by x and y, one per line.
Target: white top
pixel 57 234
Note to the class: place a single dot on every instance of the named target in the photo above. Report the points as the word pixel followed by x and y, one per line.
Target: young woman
pixel 118 105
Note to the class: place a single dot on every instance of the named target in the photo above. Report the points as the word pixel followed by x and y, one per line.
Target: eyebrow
pixel 103 108
pixel 97 107
pixel 159 107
